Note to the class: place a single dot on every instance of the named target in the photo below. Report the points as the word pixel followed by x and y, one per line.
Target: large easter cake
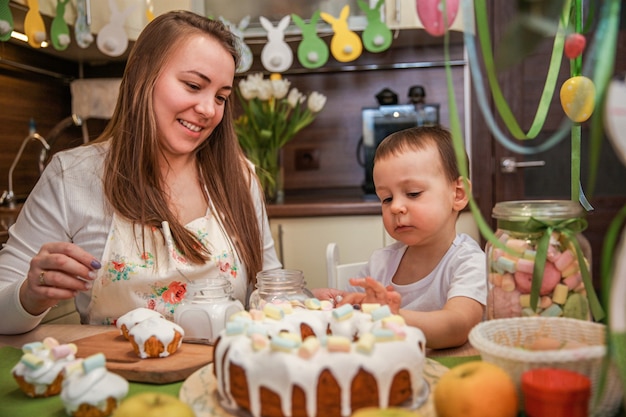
pixel 315 360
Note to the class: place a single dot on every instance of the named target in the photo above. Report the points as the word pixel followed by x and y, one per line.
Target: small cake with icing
pixel 156 337
pixel 39 371
pixel 129 320
pixel 323 361
pixel 90 390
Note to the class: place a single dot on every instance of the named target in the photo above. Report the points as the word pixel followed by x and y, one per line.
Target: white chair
pixel 339 274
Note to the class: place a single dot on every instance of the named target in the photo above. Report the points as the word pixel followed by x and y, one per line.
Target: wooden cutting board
pixel 122 359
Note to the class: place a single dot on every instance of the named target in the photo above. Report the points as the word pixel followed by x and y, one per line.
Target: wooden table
pixel 66 333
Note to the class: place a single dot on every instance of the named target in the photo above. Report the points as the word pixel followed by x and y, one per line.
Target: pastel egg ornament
pixel 431 14
pixel 578 96
pixel 574 45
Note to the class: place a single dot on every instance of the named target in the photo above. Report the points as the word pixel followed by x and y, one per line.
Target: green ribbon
pixel 570 228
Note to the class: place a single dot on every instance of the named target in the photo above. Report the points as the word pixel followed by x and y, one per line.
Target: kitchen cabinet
pixel 301 241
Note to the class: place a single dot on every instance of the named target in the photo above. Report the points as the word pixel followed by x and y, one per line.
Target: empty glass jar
pixel 279 285
pixel 542 266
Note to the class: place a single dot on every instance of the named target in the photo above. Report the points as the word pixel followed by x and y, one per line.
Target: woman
pixel 163 197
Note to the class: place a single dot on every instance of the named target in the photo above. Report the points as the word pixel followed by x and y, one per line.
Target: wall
pixel 414 58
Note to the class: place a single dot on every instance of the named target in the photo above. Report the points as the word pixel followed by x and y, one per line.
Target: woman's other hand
pixel 58 272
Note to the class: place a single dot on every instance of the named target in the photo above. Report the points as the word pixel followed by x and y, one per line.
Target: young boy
pixel 440 276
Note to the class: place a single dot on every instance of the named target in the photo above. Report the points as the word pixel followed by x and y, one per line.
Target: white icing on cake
pixel 287 368
pixel 92 388
pixel 161 328
pixel 133 317
pixel 42 376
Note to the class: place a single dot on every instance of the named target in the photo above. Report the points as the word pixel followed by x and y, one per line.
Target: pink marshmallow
pixel 553 253
pixel 572 281
pixel 551 277
pixel 563 261
pixel 523 280
pixel 525 265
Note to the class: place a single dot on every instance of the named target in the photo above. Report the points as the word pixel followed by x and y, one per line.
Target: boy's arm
pixel 448 327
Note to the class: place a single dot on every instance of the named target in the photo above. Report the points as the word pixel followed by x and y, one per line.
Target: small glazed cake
pixel 39 371
pixel 133 317
pixel 156 337
pixel 89 390
pixel 323 361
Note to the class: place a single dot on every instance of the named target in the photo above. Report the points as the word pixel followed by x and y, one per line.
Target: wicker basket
pixel 499 341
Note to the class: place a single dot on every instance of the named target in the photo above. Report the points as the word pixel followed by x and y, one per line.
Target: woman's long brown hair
pixel 132 178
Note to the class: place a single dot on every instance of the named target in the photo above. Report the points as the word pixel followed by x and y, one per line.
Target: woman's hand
pixel 58 272
pixel 331 294
pixel 375 292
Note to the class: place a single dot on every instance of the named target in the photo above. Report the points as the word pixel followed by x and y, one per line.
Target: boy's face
pixel 419 203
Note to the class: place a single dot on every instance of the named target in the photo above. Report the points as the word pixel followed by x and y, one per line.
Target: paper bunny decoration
pixel 276 55
pixel 6 21
pixel 82 28
pixel 112 39
pixel 376 36
pixel 430 13
pixel 245 53
pixel 60 31
pixel 312 51
pixel 345 45
pixel 34 26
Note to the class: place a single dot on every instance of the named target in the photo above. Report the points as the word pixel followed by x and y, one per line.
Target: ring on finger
pixel 42 279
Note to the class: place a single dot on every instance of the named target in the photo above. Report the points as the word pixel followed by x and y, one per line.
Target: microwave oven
pixel 380 122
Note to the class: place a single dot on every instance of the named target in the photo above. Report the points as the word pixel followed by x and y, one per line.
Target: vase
pixel 269 169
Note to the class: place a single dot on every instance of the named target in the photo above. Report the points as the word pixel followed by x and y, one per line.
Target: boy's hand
pixel 375 292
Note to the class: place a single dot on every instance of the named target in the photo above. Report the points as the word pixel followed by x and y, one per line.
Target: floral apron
pixel 156 276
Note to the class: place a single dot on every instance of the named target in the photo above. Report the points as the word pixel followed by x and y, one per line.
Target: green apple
pixel 153 404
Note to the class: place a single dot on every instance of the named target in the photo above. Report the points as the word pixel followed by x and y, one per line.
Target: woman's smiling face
pixel 190 94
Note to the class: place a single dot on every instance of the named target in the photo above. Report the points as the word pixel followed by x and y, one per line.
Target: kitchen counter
pixel 325 202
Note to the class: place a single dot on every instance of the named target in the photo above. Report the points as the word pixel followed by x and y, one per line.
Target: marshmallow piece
pixel 505 264
pixel 572 269
pixel 553 253
pixel 338 344
pixel 495 279
pixel 524 300
pixel 529 254
pixel 573 281
pixel 32 347
pixel 508 283
pixel 234 328
pixel 273 311
pixel 283 344
pixel 287 307
pixel 73 367
pixel 241 314
pixel 365 344
pixel 63 351
pixel 50 342
pixel 518 245
pixel 313 304
pixel 309 347
pixel 553 311
pixel 381 312
pixel 93 362
pixel 296 337
pixel 545 301
pixel 397 329
pixel 255 328
pixel 576 307
pixel 383 335
pixel 343 313
pixel 563 261
pixel 525 265
pixel 369 307
pixel 528 312
pixel 32 361
pixel 560 293
pixel 257 315
pixel 326 305
pixel 395 319
pixel 259 341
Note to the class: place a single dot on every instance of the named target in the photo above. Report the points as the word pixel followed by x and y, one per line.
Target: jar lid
pixel 539 209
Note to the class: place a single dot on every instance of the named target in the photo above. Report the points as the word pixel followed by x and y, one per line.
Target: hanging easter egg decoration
pixel 82 27
pixel 276 55
pixel 149 10
pixel 574 45
pixel 345 44
pixel 431 14
pixel 60 31
pixel 34 26
pixel 112 39
pixel 312 51
pixel 376 36
pixel 578 95
pixel 6 21
pixel 245 54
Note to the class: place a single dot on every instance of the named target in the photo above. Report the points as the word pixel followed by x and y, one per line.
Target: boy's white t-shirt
pixel 461 272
